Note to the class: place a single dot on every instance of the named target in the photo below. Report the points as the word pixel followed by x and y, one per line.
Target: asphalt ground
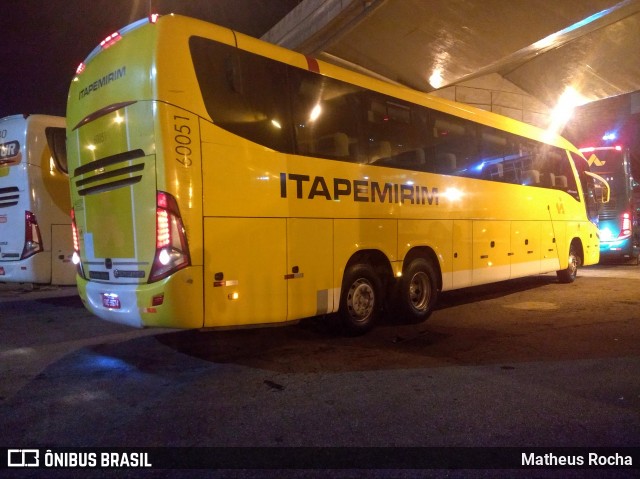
pixel 527 363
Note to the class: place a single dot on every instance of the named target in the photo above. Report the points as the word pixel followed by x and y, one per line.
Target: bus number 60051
pixel 182 140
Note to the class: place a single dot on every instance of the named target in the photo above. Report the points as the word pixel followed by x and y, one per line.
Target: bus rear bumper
pixel 122 297
pixel 35 269
pixel 174 302
pixel 617 250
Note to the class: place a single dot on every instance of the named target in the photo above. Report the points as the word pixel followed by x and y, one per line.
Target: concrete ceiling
pixel 541 46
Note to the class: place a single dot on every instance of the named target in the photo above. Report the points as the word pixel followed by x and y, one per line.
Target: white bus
pixel 35 227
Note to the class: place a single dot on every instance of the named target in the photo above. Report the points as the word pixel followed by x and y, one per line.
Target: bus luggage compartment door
pixel 525 248
pixel 245 263
pixel 63 271
pixel 491 251
pixel 309 267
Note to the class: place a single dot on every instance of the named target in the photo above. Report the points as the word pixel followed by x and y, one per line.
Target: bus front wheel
pixel 418 290
pixel 569 274
pixel 360 299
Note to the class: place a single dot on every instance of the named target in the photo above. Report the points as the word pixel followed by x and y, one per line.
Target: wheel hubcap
pixel 419 291
pixel 360 300
pixel 573 265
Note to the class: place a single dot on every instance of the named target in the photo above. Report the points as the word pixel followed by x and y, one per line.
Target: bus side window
pixel 250 98
pixel 456 145
pixel 562 177
pixel 326 115
pixel 234 74
pixel 57 140
pixel 493 145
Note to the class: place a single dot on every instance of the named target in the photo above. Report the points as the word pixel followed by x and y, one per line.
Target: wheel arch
pixel 377 259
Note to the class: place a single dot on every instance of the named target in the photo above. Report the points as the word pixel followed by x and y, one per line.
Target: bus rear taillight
pixel 32 238
pixel 75 258
pixel 625 230
pixel 172 250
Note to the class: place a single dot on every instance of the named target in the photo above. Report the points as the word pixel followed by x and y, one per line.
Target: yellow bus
pixel 218 181
pixel 35 226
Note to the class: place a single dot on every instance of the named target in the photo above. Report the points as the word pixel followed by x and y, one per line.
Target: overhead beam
pixel 314 25
pixel 597 21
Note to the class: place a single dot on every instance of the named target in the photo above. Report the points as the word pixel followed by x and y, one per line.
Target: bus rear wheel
pixel 418 291
pixel 360 299
pixel 569 274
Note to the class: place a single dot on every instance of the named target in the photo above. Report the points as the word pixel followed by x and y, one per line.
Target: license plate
pixel 111 301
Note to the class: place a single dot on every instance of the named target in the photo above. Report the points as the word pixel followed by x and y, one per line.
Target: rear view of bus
pixel 132 208
pixel 618 218
pixel 35 233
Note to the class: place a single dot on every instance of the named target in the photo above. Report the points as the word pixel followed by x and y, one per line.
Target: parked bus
pixel 218 180
pixel 35 227
pixel 619 218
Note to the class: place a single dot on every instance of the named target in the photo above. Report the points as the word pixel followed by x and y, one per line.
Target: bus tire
pixel 418 290
pixel 360 299
pixel 569 274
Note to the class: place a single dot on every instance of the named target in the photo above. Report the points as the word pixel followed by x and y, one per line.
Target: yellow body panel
pixel 526 248
pixel 113 231
pixel 353 235
pixel 434 234
pixel 462 270
pixel 309 274
pixel 491 248
pixel 244 268
pixel 179 154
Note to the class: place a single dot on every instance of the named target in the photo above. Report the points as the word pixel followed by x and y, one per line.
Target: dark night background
pixel 43 41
